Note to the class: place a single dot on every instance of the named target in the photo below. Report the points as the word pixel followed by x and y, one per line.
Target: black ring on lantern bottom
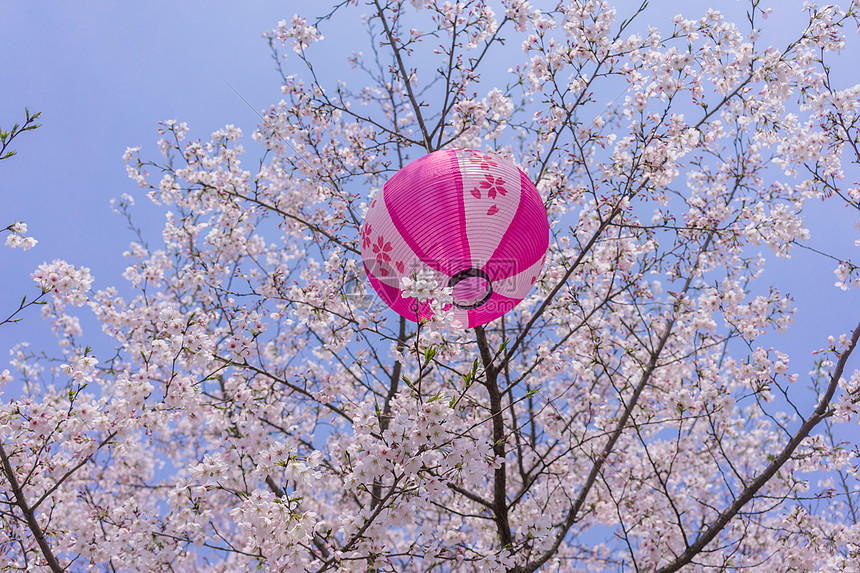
pixel 465 274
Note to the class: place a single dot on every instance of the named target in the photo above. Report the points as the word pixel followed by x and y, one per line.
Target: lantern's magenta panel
pixel 473 219
pixel 425 202
pixel 387 254
pixel 524 241
pixel 492 309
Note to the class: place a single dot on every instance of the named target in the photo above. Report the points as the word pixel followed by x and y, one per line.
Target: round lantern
pixel 473 219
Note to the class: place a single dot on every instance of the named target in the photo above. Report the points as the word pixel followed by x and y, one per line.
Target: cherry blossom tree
pixel 262 409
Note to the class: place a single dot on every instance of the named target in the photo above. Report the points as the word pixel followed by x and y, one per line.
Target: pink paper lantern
pixel 472 218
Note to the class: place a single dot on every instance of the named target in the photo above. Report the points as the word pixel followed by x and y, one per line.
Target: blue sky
pixel 104 73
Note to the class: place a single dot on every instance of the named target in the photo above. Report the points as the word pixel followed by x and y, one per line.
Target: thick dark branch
pixel 500 503
pixel 469 495
pixel 385 417
pixel 29 514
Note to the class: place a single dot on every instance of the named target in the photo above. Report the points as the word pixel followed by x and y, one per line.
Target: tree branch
pixel 820 412
pixel 500 503
pixel 29 514
pixel 619 426
pixel 428 145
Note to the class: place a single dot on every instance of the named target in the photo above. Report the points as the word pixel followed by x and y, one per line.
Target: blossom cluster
pixel 18 237
pixel 67 282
